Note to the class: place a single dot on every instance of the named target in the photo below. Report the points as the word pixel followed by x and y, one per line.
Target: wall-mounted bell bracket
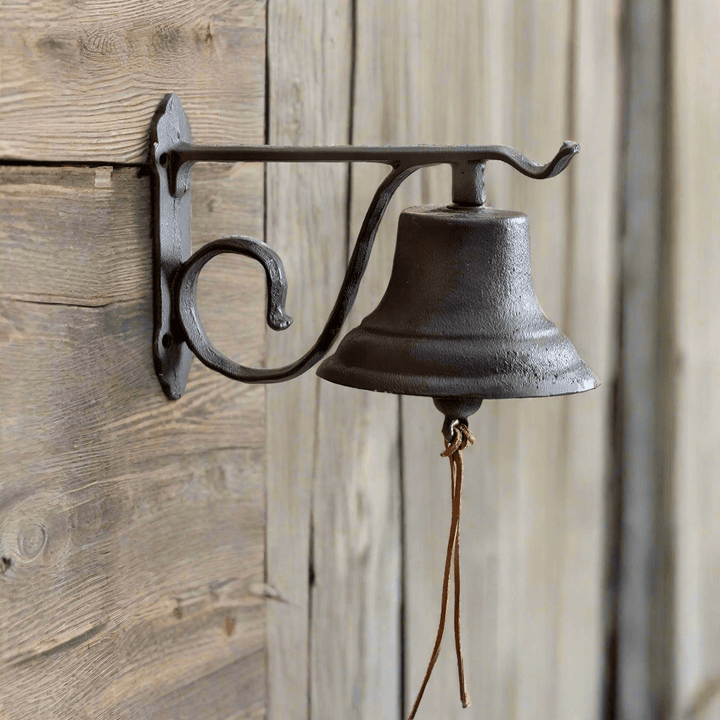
pixel 178 329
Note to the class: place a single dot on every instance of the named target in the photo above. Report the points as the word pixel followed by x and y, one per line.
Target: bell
pixel 459 321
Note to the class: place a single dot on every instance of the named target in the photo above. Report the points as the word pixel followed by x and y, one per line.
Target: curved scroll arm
pixel 186 286
pixel 186 291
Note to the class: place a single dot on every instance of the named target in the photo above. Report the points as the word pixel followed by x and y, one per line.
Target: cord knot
pixel 462 437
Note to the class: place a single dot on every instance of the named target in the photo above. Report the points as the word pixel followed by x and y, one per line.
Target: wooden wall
pixel 668 581
pixel 132 529
pixel 590 571
pixel 251 552
pixel 360 481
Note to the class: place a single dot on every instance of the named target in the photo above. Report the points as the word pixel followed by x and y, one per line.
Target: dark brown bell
pixel 459 321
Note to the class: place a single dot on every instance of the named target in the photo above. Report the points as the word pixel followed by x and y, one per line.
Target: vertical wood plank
pixel 469 73
pixel 369 422
pixel 591 312
pixel 355 640
pixel 309 56
pixel 695 214
pixel 532 534
pixel 642 636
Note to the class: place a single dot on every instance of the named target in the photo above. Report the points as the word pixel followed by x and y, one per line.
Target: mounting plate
pixel 172 244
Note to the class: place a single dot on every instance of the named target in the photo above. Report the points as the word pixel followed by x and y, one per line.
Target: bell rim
pixel 474 327
pixel 443 386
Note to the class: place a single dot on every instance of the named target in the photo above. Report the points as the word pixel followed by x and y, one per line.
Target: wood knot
pixel 31 540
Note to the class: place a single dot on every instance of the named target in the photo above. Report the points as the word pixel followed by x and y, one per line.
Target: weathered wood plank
pixel 130 585
pixel 81 81
pixel 384 111
pixel 643 637
pixel 529 492
pixel 592 276
pixel 132 527
pixel 238 698
pixel 310 651
pixel 57 261
pixel 45 257
pixel 695 364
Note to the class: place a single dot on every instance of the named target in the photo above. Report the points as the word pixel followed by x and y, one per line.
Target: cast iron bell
pixel 460 321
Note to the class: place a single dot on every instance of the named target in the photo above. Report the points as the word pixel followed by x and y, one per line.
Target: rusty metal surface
pixel 172 246
pixel 186 301
pixel 460 317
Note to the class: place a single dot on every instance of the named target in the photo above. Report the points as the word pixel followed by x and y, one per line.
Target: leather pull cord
pixel 462 437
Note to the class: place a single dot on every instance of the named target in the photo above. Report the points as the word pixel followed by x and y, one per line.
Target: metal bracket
pixel 178 329
pixel 172 244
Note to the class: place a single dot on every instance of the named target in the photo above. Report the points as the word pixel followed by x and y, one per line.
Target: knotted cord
pixel 462 437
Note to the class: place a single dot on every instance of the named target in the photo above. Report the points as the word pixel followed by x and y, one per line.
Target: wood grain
pixel 384 111
pixel 81 81
pixel 592 277
pixel 312 650
pixel 529 494
pixel 695 368
pixel 120 584
pixel 120 302
pixel 132 528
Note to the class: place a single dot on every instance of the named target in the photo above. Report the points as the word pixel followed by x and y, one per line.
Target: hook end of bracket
pixel 565 154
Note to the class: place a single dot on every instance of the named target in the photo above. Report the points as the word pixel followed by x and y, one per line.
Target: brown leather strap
pixel 453 450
